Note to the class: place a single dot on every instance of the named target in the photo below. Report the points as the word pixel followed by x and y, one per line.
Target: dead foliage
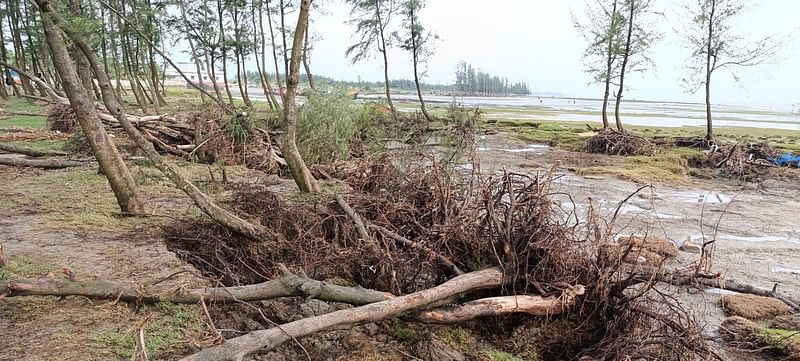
pixel 753 307
pixel 748 162
pixel 61 117
pixel 617 143
pixel 234 140
pixel 507 220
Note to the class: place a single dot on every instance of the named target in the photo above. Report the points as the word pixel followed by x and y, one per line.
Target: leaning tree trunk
pixel 114 106
pixel 3 91
pixel 197 65
pixel 384 51
pixel 415 54
pixel 625 59
pixel 301 174
pixel 278 81
pixel 128 196
pixel 261 60
pixel 307 64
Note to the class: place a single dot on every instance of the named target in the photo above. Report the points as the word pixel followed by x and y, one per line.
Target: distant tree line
pixel 473 81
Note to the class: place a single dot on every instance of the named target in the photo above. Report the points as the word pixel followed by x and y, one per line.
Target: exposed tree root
pixel 409 243
pixel 32 152
pixel 288 285
pixel 42 163
pixel 237 348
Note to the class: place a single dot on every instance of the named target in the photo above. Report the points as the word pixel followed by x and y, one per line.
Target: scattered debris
pixel 616 143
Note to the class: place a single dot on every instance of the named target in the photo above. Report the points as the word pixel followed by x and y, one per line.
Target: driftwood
pixel 238 347
pixel 12 148
pixel 498 306
pixel 42 163
pixel 288 285
pixel 677 278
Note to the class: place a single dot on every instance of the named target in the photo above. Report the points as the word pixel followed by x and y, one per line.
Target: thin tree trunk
pixel 307 64
pixel 415 53
pixel 261 61
pixel 218 214
pixel 300 172
pixel 224 49
pixel 609 63
pixel 198 67
pixel 3 58
pixel 151 32
pixel 283 37
pixel 384 51
pixel 279 83
pixel 128 196
pixel 626 56
pixel 19 49
pixel 209 53
pixel 710 70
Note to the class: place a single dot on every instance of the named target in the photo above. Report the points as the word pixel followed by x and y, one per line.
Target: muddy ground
pixel 45 226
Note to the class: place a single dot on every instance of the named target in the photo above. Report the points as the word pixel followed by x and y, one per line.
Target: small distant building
pixel 190 70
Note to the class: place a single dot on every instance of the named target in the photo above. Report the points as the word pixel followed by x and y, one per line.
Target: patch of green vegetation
pixel 28 121
pixel 402 332
pixel 164 336
pixel 663 168
pixel 23 267
pixel 22 105
pixel 43 144
pixel 495 355
pixel 775 336
pixel 457 337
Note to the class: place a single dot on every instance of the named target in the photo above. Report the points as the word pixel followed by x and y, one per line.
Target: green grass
pixel 164 336
pixel 495 355
pixel 23 121
pixel 24 267
pixel 457 337
pixel 667 167
pixel 43 144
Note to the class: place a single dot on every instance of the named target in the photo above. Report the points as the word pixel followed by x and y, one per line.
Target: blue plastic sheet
pixel 788 160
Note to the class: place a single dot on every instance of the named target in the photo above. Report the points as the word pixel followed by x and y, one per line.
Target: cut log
pixel 237 348
pixel 288 285
pixel 12 148
pixel 42 163
pixel 497 306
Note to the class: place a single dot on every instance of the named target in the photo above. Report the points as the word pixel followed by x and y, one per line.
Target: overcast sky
pixel 534 41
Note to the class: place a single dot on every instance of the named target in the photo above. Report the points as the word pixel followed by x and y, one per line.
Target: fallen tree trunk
pixel 237 348
pixel 42 163
pixel 713 281
pixel 288 285
pixel 497 306
pixel 12 148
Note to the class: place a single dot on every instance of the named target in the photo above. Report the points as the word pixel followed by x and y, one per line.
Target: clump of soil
pixel 786 322
pixel 753 307
pixel 613 142
pixel 649 250
pixel 748 335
